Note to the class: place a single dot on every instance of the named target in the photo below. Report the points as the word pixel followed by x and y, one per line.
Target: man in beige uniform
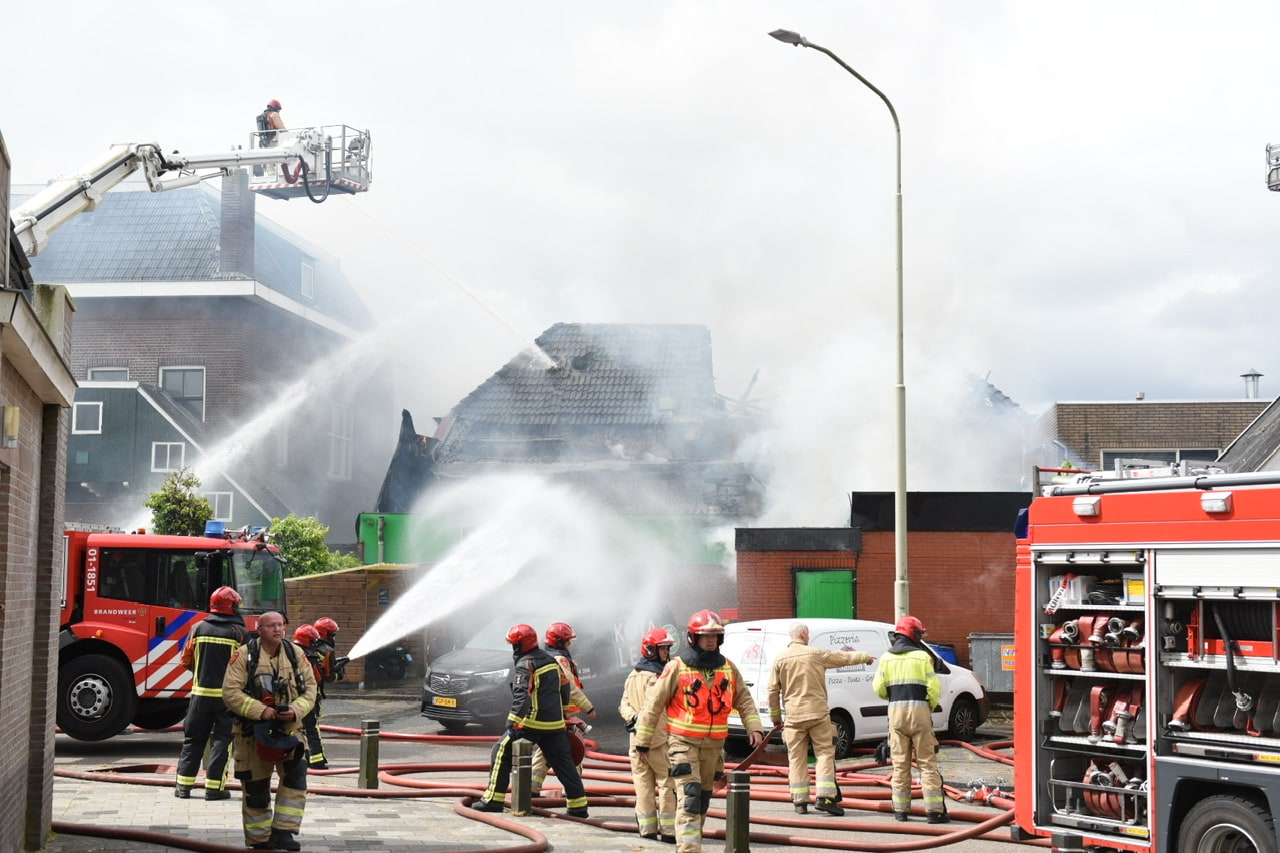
pixel 798 684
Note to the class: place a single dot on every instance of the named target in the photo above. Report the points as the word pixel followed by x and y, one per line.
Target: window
pixel 108 374
pixel 86 418
pixel 1166 457
pixel 186 386
pixel 341 429
pixel 149 576
pixel 308 280
pixel 168 456
pixel 221 503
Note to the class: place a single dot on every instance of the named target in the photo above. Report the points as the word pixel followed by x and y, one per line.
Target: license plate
pixel 444 701
pixel 408 657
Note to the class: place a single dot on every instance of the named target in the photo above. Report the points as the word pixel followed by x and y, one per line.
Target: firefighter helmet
pixel 910 627
pixel 705 622
pixel 274 104
pixel 306 635
pixel 522 638
pixel 224 601
pixel 559 635
pixel 327 628
pixel 653 640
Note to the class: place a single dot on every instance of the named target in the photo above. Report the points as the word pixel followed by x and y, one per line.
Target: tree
pixel 301 543
pixel 176 509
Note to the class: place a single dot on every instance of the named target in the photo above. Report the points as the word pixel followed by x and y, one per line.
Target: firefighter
pixel 696 693
pixel 309 639
pixel 798 684
pixel 906 677
pixel 335 668
pixel 558 639
pixel 208 649
pixel 655 817
pixel 539 692
pixel 269 688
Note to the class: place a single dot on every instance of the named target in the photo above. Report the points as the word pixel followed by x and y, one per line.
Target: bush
pixel 176 509
pixel 301 543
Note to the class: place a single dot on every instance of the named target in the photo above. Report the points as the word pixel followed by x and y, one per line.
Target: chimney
pixel 236 224
pixel 1251 383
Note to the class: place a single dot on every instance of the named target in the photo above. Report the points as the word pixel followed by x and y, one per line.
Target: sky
pixel 1084 185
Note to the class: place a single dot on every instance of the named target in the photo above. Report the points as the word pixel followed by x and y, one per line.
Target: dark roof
pixel 1255 446
pixel 602 374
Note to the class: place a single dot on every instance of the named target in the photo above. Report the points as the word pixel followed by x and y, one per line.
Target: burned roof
pixel 603 374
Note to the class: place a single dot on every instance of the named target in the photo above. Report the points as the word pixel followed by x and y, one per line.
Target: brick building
pixel 36 387
pixel 961 555
pixel 1094 435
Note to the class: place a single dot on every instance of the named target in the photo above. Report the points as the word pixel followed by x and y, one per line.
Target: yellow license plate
pixel 444 701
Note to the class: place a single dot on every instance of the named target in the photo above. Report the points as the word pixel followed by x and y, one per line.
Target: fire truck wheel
pixel 96 698
pixel 963 723
pixel 1226 823
pixel 844 733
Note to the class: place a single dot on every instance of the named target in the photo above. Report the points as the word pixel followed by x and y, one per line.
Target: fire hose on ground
pixel 610 785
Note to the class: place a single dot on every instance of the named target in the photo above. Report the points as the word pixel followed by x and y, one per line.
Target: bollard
pixel 369 753
pixel 737 826
pixel 521 777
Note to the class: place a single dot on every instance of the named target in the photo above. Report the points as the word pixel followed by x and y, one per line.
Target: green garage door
pixel 825 594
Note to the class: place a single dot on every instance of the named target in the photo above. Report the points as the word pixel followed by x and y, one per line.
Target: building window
pixel 1190 455
pixel 186 386
pixel 167 456
pixel 221 503
pixel 86 418
pixel 108 374
pixel 308 280
pixel 341 432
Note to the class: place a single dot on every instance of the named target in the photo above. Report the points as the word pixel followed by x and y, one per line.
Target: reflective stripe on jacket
pixel 539 692
pixel 906 676
pixel 209 648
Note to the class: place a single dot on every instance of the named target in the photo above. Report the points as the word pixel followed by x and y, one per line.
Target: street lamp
pixel 901 594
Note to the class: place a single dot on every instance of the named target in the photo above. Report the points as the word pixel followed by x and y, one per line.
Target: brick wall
pixel 1091 428
pixel 960 583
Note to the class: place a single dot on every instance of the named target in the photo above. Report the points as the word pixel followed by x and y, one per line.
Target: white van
pixel 858 713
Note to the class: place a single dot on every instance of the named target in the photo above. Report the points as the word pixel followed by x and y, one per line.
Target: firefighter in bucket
pixel 695 694
pixel 269 689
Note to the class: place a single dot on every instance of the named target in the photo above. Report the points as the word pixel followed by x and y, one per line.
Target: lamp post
pixel 901 590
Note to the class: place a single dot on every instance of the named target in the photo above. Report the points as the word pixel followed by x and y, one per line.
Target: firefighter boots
pixel 802 808
pixel 220 794
pixel 900 817
pixel 182 792
pixel 579 812
pixel 939 817
pixel 487 806
pixel 829 805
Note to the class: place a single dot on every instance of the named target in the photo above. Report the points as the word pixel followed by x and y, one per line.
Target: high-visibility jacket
pixel 697 702
pixel 906 677
pixel 578 701
pixel 634 694
pixel 300 687
pixel 539 692
pixel 209 648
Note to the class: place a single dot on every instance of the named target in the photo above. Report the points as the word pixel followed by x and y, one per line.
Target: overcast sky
pixel 1086 212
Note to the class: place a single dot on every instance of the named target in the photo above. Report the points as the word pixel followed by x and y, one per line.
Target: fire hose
pixel 612 787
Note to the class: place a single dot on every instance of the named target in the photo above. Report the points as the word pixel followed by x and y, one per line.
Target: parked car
pixel 471 685
pixel 858 714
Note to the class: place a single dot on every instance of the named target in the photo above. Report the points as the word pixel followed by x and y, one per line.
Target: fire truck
pixel 129 602
pixel 1147 685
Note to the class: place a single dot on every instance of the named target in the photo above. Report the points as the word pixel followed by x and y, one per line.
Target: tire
pixel 844 734
pixel 96 697
pixel 1227 824
pixel 963 722
pixel 160 715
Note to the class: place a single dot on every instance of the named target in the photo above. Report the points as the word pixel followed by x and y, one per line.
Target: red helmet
pixel 274 104
pixel 705 622
pixel 327 628
pixel 654 639
pixel 522 638
pixel 224 600
pixel 306 635
pixel 559 635
pixel 910 627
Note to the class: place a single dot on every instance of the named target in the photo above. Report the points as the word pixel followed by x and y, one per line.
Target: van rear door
pixel 753 650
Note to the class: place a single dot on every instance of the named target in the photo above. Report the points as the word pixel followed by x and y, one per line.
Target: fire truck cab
pixel 129 602
pixel 1147 688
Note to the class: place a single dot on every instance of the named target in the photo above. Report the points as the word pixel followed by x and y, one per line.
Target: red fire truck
pixel 1147 688
pixel 128 604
